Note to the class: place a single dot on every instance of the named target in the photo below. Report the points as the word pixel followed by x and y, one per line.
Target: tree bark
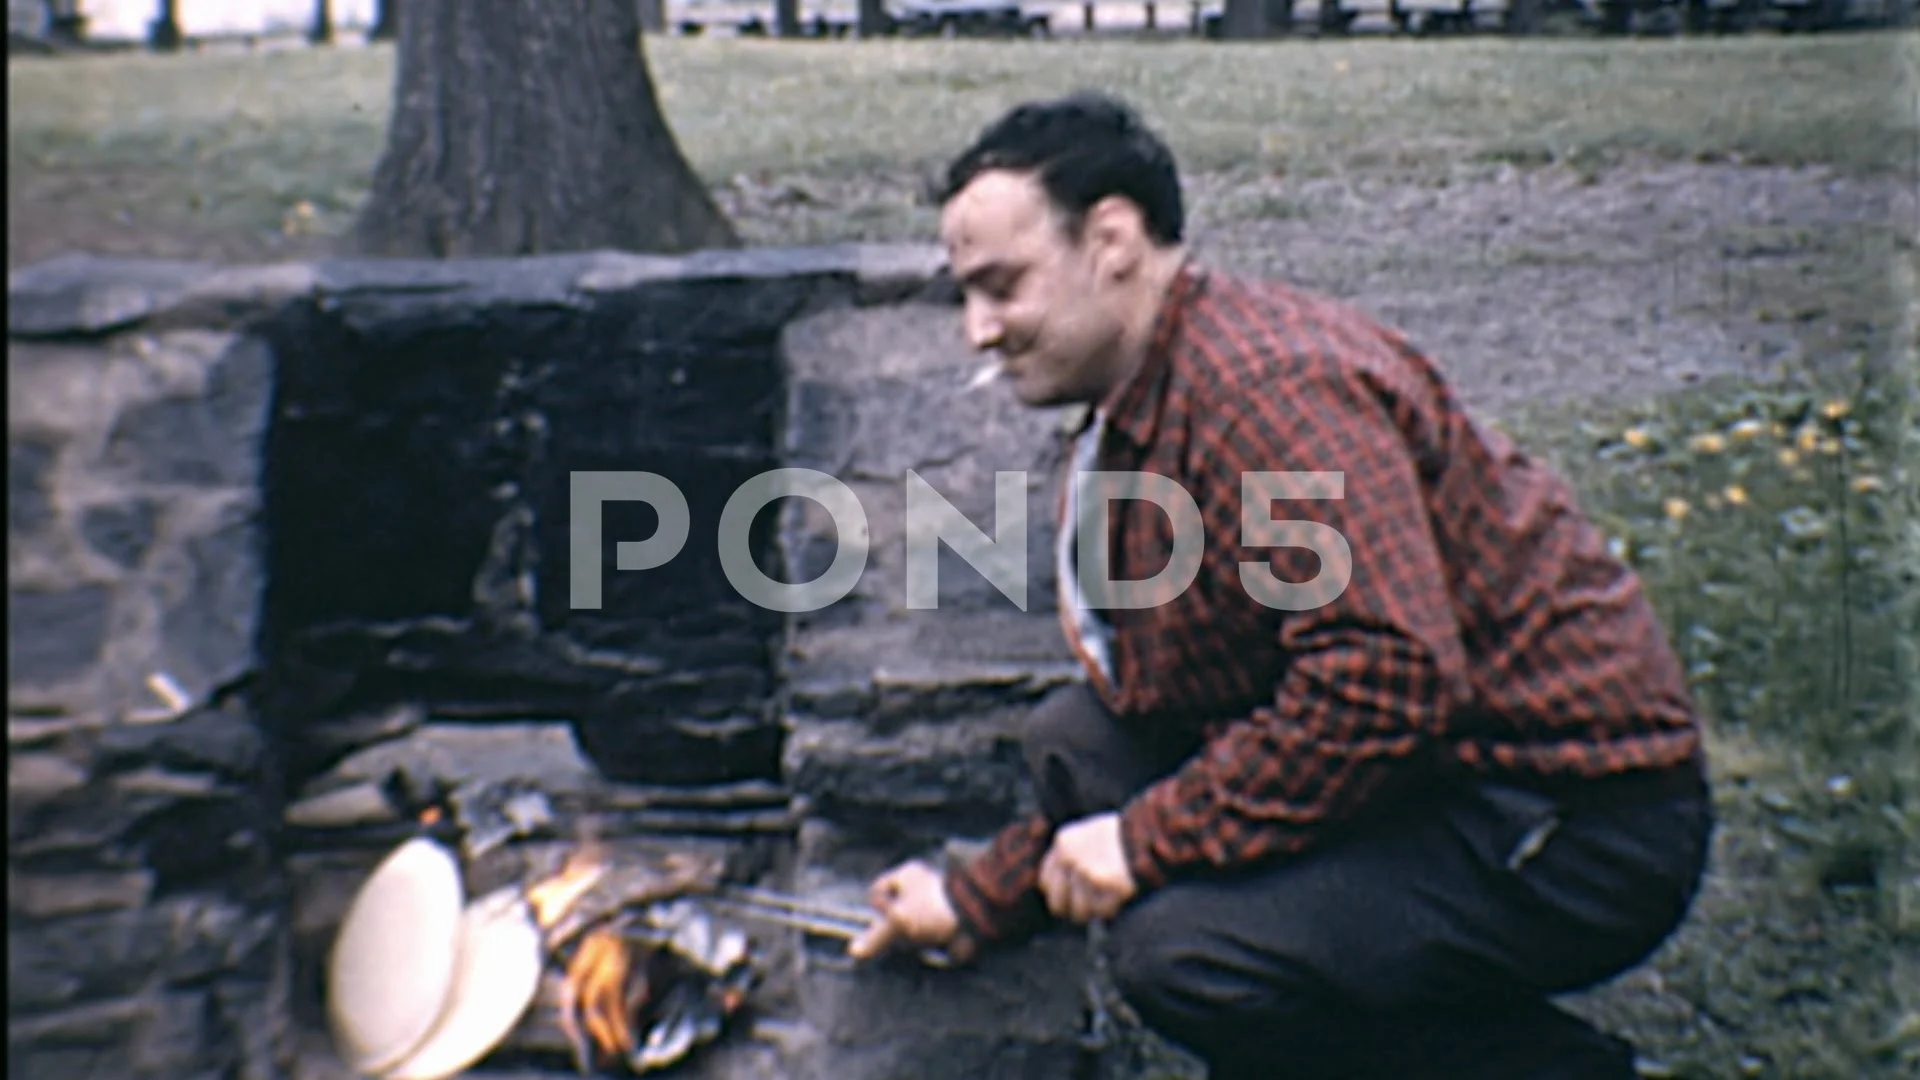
pixel 1246 20
pixel 529 126
pixel 163 33
pixel 321 32
pixel 385 21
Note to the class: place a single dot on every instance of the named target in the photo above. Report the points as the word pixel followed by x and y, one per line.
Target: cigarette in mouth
pixel 984 376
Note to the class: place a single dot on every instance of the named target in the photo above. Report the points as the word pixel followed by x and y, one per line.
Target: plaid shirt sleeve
pixel 996 897
pixel 1376 670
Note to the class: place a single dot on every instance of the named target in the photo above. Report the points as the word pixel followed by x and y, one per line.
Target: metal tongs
pixel 808 916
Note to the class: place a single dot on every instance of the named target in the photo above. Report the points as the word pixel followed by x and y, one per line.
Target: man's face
pixel 1034 296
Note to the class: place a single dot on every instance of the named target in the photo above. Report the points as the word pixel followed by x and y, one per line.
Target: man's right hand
pixel 912 901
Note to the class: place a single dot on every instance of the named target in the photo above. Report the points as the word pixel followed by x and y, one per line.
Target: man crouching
pixel 1379 747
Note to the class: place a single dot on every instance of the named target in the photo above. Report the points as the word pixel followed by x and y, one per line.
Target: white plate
pixel 392 964
pixel 496 978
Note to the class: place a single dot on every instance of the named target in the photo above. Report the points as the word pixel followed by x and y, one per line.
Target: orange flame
pixel 553 898
pixel 597 980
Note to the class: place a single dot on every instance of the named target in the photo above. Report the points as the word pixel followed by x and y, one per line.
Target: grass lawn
pixel 238 141
pixel 1771 511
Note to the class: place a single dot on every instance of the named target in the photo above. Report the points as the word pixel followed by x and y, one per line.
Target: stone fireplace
pixel 289 561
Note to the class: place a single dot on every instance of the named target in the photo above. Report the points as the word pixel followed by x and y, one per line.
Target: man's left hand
pixel 1085 874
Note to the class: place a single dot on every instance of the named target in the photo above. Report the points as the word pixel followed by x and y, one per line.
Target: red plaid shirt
pixel 1483 619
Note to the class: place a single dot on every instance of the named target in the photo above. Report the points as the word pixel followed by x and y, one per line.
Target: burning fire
pixel 553 898
pixel 598 985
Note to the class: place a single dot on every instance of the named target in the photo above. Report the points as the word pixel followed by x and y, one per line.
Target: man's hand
pixel 912 902
pixel 1085 874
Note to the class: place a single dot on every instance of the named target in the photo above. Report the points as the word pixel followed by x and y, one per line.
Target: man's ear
pixel 1113 232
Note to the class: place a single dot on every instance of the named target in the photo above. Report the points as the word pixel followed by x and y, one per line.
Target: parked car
pixel 971 18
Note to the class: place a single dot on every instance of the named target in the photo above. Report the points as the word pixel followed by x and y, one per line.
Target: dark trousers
pixel 1424 941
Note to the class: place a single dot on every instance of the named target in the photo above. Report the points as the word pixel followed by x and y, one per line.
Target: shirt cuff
pixel 1139 828
pixel 979 922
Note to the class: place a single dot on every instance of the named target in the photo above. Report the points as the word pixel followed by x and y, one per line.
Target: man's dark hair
pixel 1082 148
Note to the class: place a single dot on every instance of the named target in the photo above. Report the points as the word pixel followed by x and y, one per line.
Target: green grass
pixel 238 139
pixel 1774 525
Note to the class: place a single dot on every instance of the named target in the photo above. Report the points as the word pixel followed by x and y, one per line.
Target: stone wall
pixel 145 898
pixel 374 587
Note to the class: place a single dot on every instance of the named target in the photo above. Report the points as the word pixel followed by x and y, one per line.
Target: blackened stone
pixel 959 776
pixel 694 580
pixel 181 941
pixel 55 635
pixel 122 532
pixel 208 634
pixel 376 518
pixel 222 739
pixel 29 495
pixel 200 843
pixel 688 751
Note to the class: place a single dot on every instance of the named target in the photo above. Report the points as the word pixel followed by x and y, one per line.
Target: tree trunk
pixel 872 18
pixel 529 126
pixel 1245 20
pixel 163 33
pixel 386 22
pixel 321 32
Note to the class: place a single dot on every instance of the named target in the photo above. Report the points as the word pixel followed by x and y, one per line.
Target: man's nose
pixel 983 327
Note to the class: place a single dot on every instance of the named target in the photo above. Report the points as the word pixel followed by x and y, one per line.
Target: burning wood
pixel 553 898
pixel 600 990
pixel 643 990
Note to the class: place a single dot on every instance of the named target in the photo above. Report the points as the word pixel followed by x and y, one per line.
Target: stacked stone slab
pixel 145 899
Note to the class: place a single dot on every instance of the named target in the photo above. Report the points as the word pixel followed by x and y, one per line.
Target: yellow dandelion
pixel 1829 445
pixel 1636 438
pixel 1710 443
pixel 1736 495
pixel 1675 508
pixel 1808 439
pixel 1864 484
pixel 1748 428
pixel 1835 409
pixel 1789 457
